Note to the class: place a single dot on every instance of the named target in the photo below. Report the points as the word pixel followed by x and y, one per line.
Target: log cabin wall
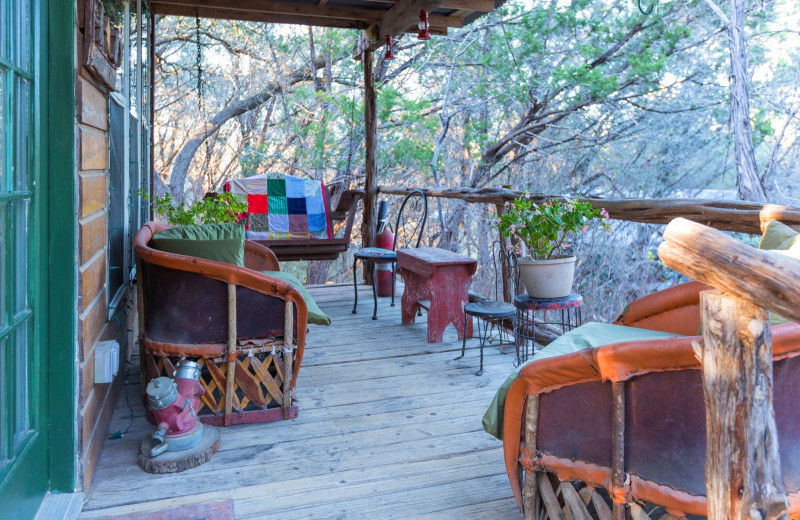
pixel 98 58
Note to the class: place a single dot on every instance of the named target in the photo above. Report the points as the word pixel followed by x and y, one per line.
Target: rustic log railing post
pixel 288 356
pixel 743 476
pixel 231 354
pixel 530 494
pixel 371 161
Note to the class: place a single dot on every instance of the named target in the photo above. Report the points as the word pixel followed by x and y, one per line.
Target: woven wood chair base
pixel 258 386
pixel 574 500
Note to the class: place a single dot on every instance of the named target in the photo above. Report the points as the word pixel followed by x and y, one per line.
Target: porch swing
pixel 338 223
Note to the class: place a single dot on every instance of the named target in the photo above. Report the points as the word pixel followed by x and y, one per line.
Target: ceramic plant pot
pixel 547 278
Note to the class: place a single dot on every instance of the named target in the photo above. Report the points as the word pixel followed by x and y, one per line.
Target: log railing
pixel 743 474
pixel 745 217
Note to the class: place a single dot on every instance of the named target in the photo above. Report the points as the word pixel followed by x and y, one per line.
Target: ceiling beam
pixel 399 17
pixel 485 6
pixel 252 16
pixel 259 8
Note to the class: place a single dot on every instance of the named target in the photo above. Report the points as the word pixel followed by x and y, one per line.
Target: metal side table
pixel 561 312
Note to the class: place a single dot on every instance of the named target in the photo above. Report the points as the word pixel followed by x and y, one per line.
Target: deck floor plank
pixel 389 427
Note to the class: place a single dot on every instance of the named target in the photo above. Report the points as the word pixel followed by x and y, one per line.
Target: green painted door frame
pixel 62 387
pixel 46 457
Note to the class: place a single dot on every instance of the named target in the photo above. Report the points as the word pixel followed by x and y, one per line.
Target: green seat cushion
pixel 586 336
pixel 315 314
pixel 218 242
pixel 782 239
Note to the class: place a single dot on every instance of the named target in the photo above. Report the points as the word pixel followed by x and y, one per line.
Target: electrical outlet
pixel 106 361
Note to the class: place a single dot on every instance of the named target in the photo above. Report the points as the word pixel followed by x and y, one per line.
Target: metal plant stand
pixel 562 312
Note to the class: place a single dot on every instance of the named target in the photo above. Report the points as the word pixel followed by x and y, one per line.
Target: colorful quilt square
pixel 258 222
pixel 277 205
pixel 313 189
pixel 278 223
pixel 295 187
pixel 257 203
pixel 276 187
pixel 314 205
pixel 317 222
pixel 298 223
pixel 297 206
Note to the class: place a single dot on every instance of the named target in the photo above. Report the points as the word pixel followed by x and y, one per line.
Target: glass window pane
pixel 3 274
pixel 4 25
pixel 21 36
pixel 20 255
pixel 3 405
pixel 20 388
pixel 21 134
pixel 2 126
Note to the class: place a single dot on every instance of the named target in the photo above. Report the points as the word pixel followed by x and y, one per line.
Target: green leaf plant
pixel 545 228
pixel 214 209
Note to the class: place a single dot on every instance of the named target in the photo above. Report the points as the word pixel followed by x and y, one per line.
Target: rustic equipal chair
pixel 247 329
pixel 626 422
pixel 494 313
pixel 408 229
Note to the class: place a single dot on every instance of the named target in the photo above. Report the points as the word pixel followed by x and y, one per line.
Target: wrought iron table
pixel 568 308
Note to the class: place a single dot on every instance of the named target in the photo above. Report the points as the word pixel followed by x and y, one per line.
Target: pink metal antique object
pixel 438 280
pixel 174 404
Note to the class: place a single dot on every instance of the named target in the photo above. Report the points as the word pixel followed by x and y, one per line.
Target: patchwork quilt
pixel 282 207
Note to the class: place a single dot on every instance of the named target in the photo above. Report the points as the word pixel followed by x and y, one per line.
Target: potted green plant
pixel 217 209
pixel 547 269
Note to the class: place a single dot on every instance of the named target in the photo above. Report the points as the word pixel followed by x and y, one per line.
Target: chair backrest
pixel 506 271
pixel 410 223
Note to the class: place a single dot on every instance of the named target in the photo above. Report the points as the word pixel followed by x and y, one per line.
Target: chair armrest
pixel 351 198
pixel 672 310
pixel 259 257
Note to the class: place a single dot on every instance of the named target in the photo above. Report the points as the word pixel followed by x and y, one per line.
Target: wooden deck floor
pixel 389 427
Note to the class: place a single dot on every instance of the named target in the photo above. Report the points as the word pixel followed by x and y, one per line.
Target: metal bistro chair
pixel 494 312
pixel 405 230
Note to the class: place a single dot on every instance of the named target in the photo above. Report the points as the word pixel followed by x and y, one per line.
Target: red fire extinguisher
pixel 384 238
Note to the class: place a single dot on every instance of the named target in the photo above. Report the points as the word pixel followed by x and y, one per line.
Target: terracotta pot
pixel 547 278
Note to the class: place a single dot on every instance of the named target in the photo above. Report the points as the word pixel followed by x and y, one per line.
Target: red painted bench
pixel 438 280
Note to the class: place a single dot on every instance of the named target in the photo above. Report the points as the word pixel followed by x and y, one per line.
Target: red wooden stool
pixel 438 280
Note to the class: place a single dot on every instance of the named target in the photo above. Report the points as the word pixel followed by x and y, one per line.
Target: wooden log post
pixel 530 495
pixel 371 162
pixel 231 377
pixel 743 474
pixel 288 357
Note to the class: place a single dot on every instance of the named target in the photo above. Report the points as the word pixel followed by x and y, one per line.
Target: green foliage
pixel 544 228
pixel 224 207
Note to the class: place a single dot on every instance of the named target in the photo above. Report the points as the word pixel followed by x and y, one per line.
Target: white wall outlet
pixel 106 361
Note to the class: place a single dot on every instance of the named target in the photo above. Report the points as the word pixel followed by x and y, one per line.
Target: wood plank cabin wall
pixel 96 402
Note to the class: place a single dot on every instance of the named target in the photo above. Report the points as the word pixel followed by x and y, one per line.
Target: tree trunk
pixel 743 474
pixel 185 155
pixel 371 165
pixel 747 178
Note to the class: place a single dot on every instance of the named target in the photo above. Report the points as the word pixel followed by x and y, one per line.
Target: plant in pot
pixel 548 270
pixel 211 209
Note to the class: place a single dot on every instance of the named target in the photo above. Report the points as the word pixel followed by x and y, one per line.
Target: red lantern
pixel 423 26
pixel 388 55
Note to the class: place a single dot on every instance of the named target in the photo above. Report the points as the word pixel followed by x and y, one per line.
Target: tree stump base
pixel 177 461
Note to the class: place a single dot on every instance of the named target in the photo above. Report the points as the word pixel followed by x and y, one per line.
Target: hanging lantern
pixel 388 55
pixel 423 26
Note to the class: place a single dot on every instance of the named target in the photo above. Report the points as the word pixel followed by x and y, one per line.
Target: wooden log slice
pixel 177 461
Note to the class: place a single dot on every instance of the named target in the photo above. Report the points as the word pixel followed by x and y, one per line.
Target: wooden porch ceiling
pixel 378 17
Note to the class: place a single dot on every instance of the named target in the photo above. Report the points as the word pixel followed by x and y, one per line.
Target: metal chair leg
pixel 374 290
pixel 483 342
pixel 394 280
pixel 355 283
pixel 464 340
